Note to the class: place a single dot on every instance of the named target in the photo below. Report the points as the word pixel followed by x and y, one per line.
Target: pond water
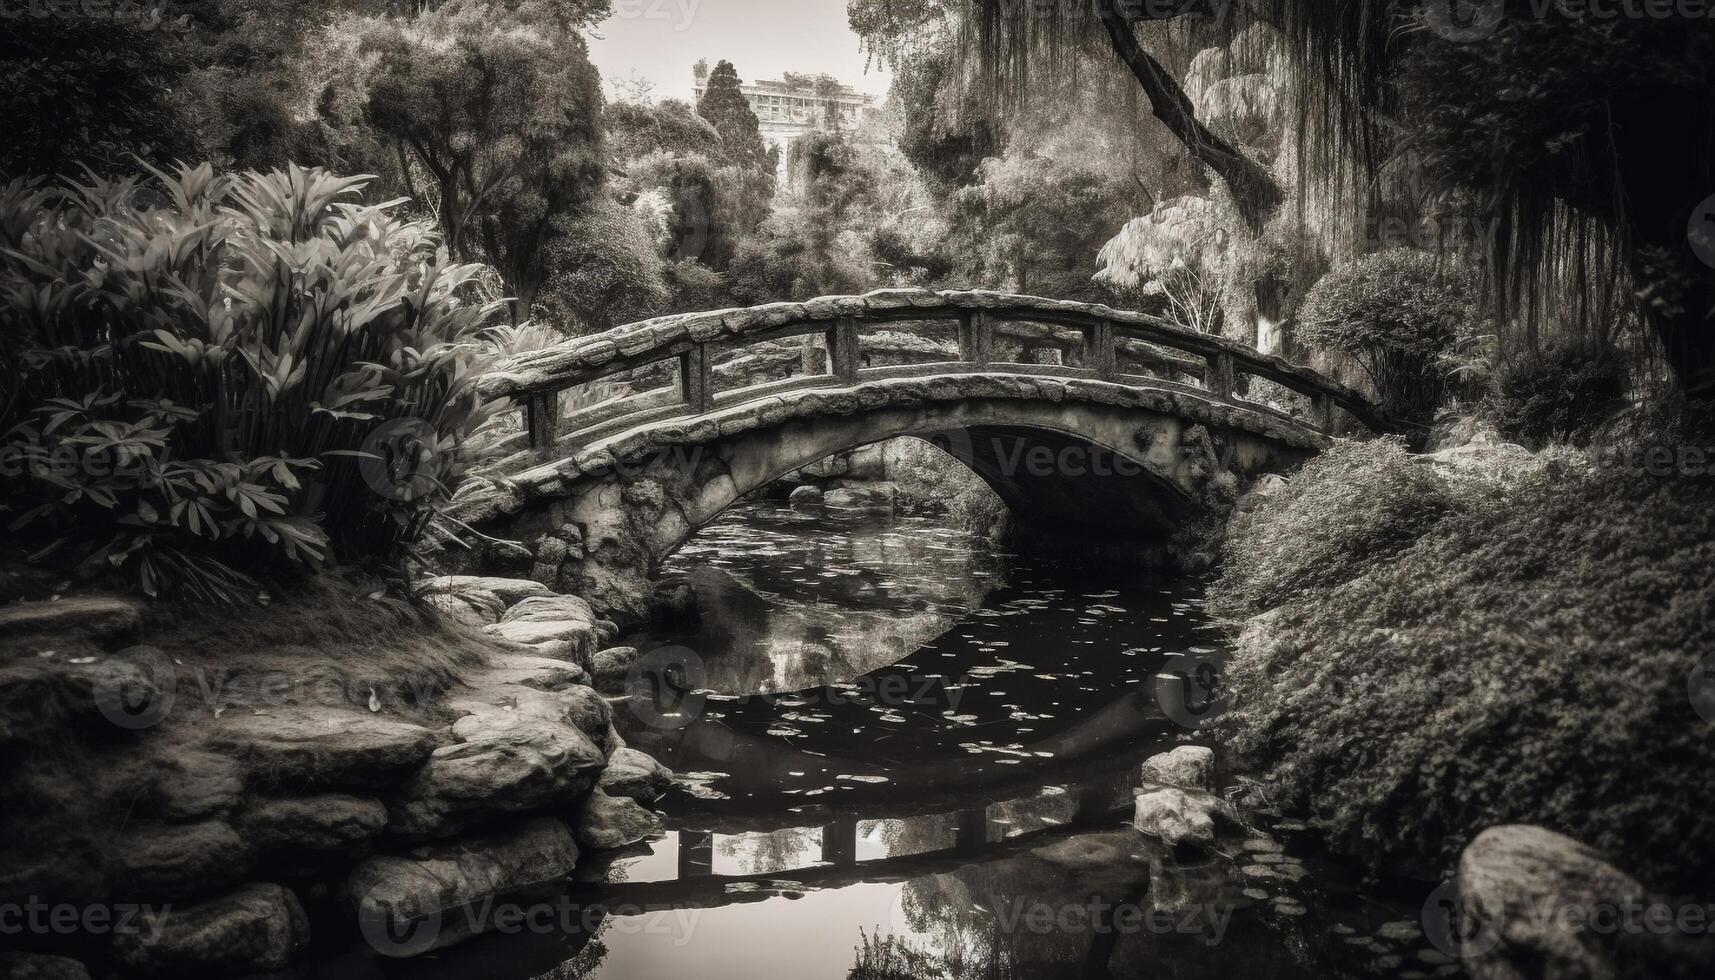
pixel 902 752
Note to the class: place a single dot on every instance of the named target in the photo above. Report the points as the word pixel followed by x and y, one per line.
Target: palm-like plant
pixel 202 360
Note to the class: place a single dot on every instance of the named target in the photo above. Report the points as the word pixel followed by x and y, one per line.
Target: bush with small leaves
pixel 1358 504
pixel 1397 314
pixel 1525 658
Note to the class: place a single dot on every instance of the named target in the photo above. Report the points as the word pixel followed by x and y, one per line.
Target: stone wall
pixel 235 821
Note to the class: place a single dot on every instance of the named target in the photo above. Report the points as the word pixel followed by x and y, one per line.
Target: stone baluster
pixel 1323 412
pixel 843 350
pixel 1221 377
pixel 695 380
pixel 1100 354
pixel 976 338
pixel 542 418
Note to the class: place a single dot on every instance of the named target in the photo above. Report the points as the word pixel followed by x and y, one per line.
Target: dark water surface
pixel 904 753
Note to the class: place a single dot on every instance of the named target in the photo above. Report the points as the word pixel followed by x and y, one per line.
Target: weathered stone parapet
pixel 650 341
pixel 480 501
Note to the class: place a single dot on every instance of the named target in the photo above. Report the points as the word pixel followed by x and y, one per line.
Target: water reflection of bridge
pixel 980 834
pixel 928 767
pixel 976 839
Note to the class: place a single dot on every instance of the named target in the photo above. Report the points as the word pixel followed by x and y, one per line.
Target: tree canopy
pixel 724 106
pixel 505 122
pixel 1600 129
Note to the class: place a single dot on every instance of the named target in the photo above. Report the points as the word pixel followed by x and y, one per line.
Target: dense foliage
pixel 1398 314
pixel 1514 648
pixel 1289 545
pixel 1557 394
pixel 1032 225
pixel 506 122
pixel 206 374
pixel 815 245
pixel 1588 138
pixel 110 83
pixel 945 137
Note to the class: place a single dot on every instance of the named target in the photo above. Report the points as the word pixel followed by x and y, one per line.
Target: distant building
pixel 793 105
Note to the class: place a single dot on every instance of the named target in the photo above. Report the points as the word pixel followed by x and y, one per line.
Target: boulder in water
pixel 869 498
pixel 1177 816
pixel 1542 905
pixel 1187 767
pixel 606 822
pixel 530 767
pixel 408 904
pixel 635 775
pixel 250 929
pixel 610 666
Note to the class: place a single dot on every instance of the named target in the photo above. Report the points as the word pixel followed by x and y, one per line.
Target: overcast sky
pixel 662 39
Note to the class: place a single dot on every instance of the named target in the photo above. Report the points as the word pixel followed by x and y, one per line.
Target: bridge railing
pixel 694 341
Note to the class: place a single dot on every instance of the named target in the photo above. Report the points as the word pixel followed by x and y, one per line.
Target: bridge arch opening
pixel 1060 480
pixel 1054 486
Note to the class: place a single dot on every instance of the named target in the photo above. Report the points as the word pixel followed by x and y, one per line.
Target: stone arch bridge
pixel 1092 424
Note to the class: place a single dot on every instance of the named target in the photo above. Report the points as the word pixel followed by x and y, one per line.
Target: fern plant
pixel 206 375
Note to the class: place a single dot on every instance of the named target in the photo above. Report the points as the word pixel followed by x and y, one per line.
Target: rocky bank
pixel 239 820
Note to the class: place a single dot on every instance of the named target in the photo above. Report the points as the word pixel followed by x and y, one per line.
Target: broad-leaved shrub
pixel 206 374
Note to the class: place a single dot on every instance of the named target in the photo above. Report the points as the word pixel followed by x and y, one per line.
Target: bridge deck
pixel 1103 341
